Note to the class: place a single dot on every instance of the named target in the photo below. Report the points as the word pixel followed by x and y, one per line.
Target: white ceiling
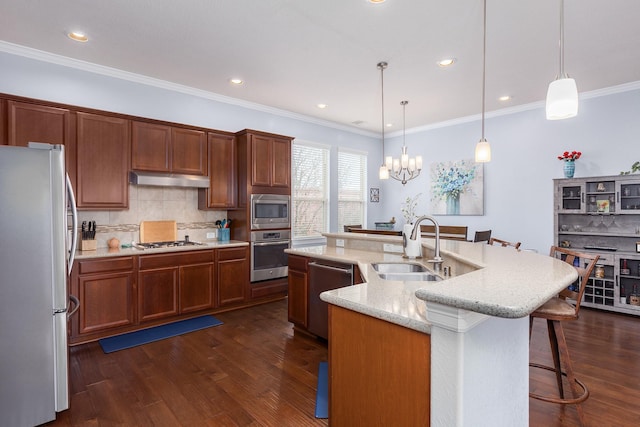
pixel 294 54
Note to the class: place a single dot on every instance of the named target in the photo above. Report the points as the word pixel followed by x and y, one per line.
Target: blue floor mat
pixel 132 339
pixel 322 393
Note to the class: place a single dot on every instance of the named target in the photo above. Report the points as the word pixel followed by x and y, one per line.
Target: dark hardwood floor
pixel 253 371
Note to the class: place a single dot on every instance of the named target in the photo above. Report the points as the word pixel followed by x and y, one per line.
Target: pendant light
pixel 483 149
pixel 562 95
pixel 384 171
pixel 404 169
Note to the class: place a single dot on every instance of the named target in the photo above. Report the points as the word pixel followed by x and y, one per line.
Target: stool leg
pixel 564 352
pixel 553 342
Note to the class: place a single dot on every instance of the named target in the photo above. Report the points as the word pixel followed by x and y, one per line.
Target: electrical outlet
pixel 211 235
pixel 340 243
pixel 392 248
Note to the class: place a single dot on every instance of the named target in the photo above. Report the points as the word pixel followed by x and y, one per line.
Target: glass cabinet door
pixel 571 197
pixel 629 196
pixel 628 271
pixel 601 197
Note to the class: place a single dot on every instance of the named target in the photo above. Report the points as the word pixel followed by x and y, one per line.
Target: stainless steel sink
pixel 417 276
pixel 398 267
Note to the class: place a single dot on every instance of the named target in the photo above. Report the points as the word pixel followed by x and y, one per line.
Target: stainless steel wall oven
pixel 268 259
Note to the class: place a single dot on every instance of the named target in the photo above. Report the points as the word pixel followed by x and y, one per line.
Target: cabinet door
pixel 281 172
pixel 298 290
pixel 37 123
pixel 150 147
pixel 188 151
pixel 103 162
pixel 106 301
pixel 233 275
pixel 261 161
pixel 570 196
pixel 222 191
pixel 157 293
pixel 196 287
pixel 629 196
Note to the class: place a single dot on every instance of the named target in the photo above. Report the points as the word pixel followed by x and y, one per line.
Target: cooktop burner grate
pixel 156 245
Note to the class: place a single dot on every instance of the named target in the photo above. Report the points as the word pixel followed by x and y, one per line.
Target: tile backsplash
pixel 148 203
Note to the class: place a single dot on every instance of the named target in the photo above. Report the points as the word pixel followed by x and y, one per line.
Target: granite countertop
pixel 491 280
pixel 106 252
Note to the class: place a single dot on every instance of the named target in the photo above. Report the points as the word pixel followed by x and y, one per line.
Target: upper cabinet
pixel 223 175
pixel 103 163
pixel 161 148
pixel 264 163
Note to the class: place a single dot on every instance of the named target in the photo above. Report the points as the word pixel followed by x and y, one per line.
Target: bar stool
pixel 565 307
pixel 504 243
pixel 482 236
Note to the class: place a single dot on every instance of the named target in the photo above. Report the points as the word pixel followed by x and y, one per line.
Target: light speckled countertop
pixel 491 280
pixel 106 252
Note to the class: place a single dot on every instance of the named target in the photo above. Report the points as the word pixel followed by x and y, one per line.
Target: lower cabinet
pixel 106 291
pixel 127 293
pixel 233 275
pixel 165 278
pixel 298 290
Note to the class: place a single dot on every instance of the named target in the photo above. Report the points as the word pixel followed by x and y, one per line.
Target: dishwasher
pixel 324 276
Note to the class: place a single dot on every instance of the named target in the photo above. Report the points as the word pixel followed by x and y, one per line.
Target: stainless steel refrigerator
pixel 36 255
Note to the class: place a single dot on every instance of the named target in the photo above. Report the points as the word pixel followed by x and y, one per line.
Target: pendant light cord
pixel 561 42
pixel 484 62
pixel 382 66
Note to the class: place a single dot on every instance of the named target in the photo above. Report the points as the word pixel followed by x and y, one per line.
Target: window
pixel 352 184
pixel 310 189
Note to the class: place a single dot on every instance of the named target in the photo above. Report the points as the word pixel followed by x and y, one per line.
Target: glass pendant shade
pixel 483 151
pixel 562 99
pixel 384 172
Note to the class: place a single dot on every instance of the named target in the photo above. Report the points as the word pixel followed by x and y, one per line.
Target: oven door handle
pixel 279 242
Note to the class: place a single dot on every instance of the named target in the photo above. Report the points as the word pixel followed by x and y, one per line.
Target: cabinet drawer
pixel 298 263
pixel 174 259
pixel 105 265
pixel 232 253
pixel 607 259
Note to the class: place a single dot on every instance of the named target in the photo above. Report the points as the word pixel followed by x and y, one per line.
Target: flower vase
pixel 569 168
pixel 453 204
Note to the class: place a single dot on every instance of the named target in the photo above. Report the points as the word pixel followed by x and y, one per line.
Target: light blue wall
pixel 517 182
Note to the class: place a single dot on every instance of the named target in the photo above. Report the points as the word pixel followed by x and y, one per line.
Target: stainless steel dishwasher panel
pixel 324 276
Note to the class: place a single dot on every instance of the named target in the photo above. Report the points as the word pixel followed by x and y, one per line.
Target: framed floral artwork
pixel 457 188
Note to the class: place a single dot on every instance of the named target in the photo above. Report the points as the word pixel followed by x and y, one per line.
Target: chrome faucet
pixel 437 259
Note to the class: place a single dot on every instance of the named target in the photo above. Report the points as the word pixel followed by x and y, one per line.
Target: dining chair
pixel 448 232
pixel 562 308
pixel 504 243
pixel 482 236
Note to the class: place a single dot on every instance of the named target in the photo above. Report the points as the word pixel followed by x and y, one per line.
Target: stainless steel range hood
pixel 168 179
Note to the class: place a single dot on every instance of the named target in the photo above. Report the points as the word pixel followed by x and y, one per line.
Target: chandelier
pixel 404 169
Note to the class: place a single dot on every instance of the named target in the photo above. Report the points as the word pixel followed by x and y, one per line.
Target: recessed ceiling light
pixel 78 36
pixel 504 98
pixel 376 1
pixel 236 81
pixel 322 105
pixel 389 125
pixel 446 62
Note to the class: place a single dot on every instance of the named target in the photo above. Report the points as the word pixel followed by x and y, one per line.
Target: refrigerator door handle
pixel 76 305
pixel 74 224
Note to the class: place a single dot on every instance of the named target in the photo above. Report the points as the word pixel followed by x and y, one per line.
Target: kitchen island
pixel 473 323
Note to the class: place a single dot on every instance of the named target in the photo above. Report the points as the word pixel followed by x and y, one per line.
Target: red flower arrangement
pixel 570 156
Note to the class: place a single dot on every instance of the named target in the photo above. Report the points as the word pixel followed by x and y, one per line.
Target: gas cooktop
pixel 156 245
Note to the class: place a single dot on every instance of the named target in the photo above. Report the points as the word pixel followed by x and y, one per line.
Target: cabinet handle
pixel 618 196
pixel 582 197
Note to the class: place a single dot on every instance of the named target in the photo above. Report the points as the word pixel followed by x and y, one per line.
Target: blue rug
pixel 132 339
pixel 322 393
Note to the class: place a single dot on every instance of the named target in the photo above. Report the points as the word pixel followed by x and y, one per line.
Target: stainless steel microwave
pixel 270 211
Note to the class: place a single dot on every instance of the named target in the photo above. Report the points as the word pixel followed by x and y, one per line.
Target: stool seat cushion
pixel 556 308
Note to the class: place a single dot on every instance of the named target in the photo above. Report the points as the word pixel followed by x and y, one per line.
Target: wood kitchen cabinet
pixel 28 122
pixel 233 275
pixel 370 381
pixel 105 288
pixel 264 164
pixel 102 162
pixel 223 174
pixel 298 289
pixel 161 148
pixel 175 283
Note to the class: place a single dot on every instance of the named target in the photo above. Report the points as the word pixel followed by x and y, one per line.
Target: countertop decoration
pixel 451 180
pixel 569 158
pixel 408 208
